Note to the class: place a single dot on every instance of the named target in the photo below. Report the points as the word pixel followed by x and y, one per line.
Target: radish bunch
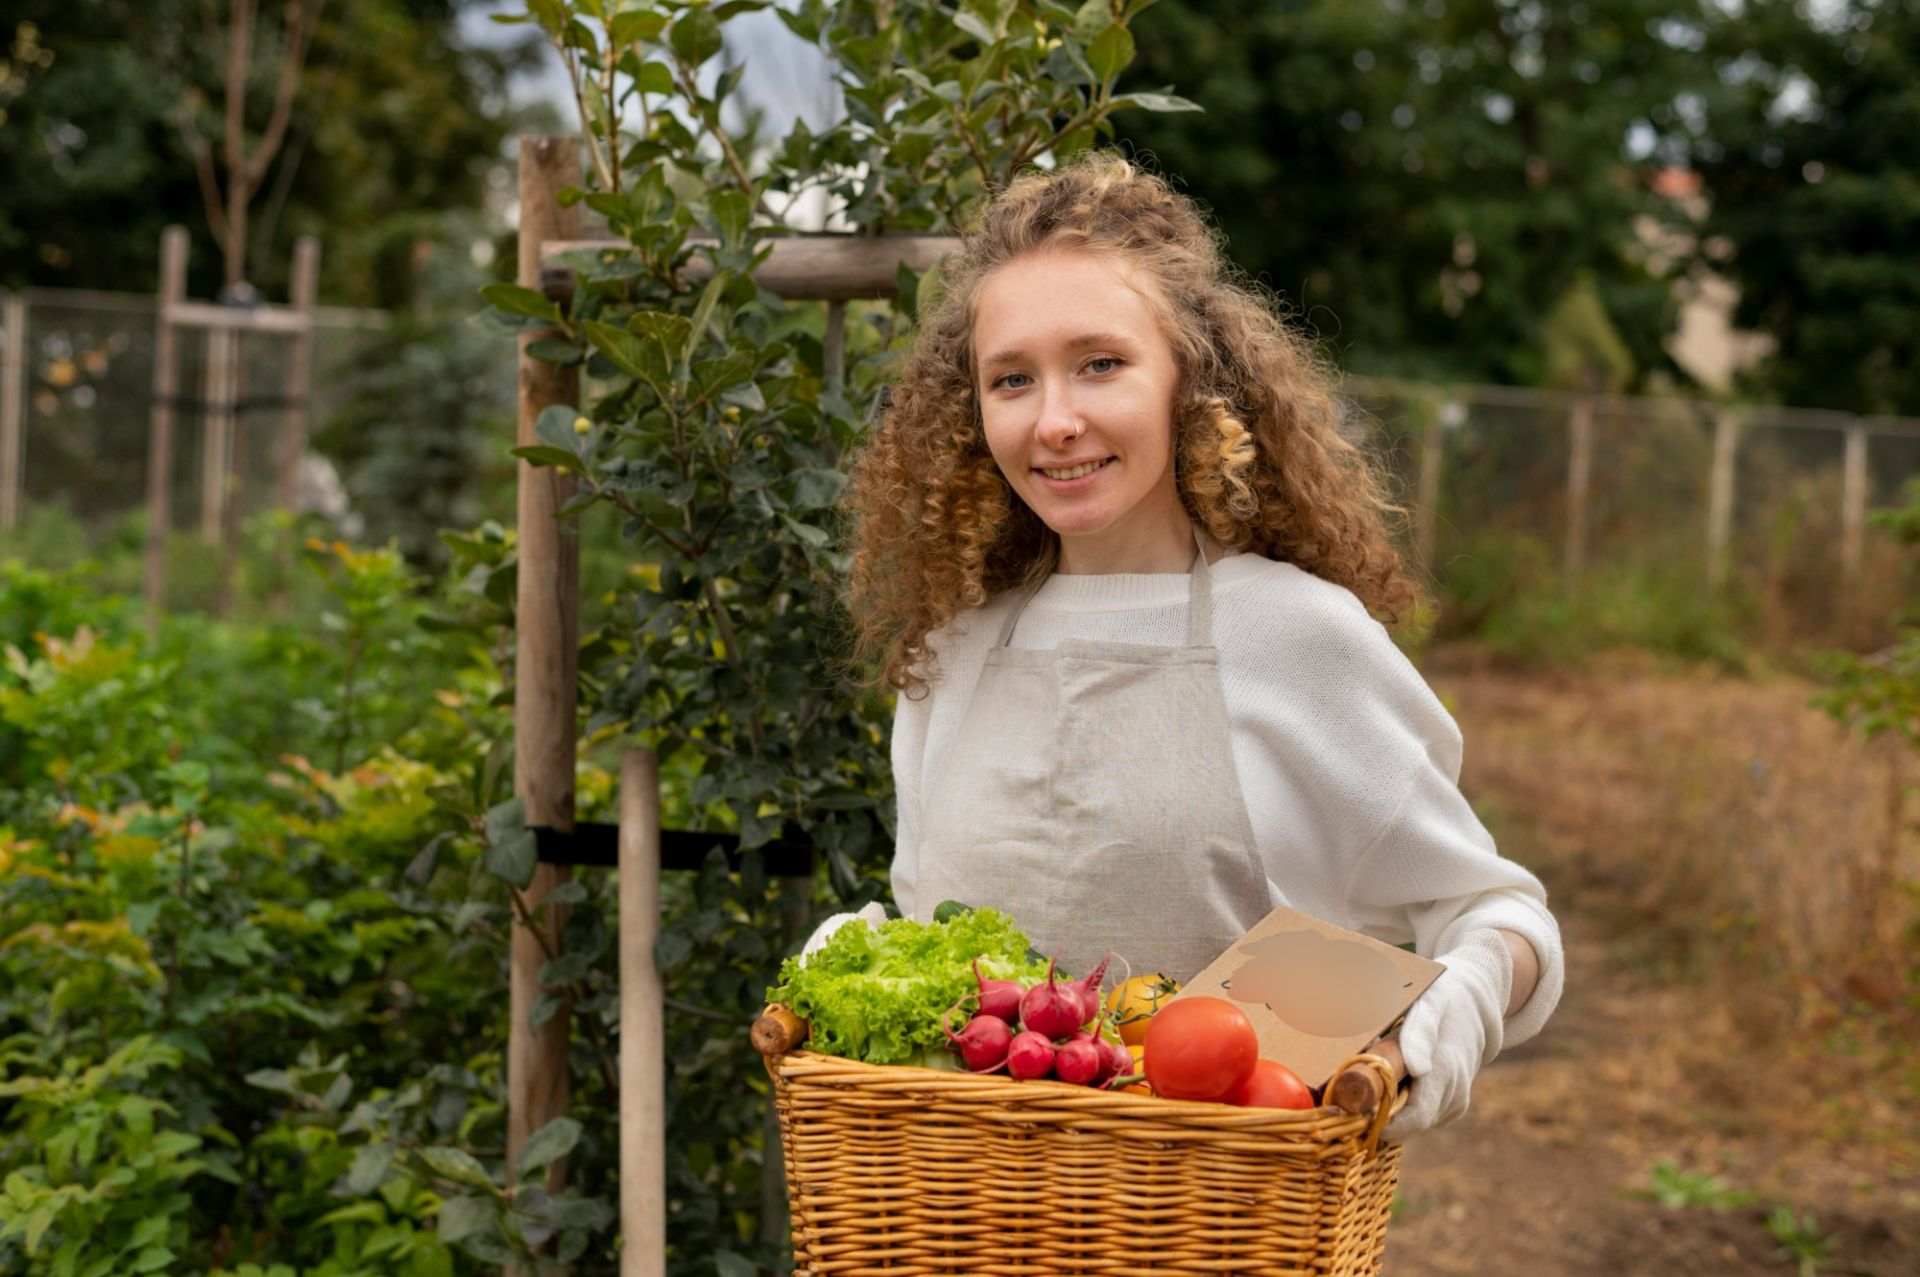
pixel 1048 1030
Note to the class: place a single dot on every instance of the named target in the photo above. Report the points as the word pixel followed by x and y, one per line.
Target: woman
pixel 1115 554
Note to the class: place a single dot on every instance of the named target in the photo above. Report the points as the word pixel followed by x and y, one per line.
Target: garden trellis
pixel 833 269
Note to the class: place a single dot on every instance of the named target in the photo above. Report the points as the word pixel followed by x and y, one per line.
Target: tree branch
pixel 301 22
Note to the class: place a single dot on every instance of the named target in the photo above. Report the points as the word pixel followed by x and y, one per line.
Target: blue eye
pixel 1112 360
pixel 1002 382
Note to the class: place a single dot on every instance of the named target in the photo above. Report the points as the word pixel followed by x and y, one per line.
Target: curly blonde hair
pixel 1261 462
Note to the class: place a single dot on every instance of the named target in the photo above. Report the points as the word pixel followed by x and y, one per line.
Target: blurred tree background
pixel 1426 182
pixel 395 119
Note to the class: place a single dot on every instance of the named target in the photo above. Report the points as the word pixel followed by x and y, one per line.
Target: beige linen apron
pixel 1092 795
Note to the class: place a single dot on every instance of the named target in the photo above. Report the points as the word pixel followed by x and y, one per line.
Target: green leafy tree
pixel 393 117
pixel 1810 149
pixel 715 440
pixel 1424 182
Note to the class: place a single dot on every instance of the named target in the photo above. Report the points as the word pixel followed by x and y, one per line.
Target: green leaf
pixel 817 488
pixel 371 1212
pixel 807 532
pixel 458 1165
pixel 462 1217
pixel 703 312
pixel 542 455
pixel 640 24
pixel 1094 17
pixel 654 77
pixel 629 354
pixel 732 214
pixel 151 1259
pixel 1110 53
pixel 547 1145
pixel 553 350
pixel 512 852
pixel 696 36
pixel 1156 102
pixel 516 300
pixel 370 1167
pixel 974 27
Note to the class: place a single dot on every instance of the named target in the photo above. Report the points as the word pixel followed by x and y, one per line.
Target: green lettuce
pixel 877 994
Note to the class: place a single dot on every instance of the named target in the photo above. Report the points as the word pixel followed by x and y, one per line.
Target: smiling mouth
pixel 1076 471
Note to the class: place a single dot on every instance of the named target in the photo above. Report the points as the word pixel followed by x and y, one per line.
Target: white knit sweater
pixel 1348 763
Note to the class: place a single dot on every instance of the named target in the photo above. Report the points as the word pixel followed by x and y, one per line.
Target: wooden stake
pixel 1433 447
pixel 1579 479
pixel 1853 504
pixel 643 1044
pixel 13 395
pixel 546 660
pixel 173 289
pixel 299 374
pixel 1726 443
pixel 216 431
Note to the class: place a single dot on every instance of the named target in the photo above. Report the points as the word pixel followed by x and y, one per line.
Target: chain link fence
pixel 1509 492
pixel 76 406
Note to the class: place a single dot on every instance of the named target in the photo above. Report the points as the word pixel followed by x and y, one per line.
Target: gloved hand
pixel 1452 1030
pixel 873 915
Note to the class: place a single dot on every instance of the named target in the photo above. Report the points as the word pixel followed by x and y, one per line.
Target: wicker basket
pixel 901 1171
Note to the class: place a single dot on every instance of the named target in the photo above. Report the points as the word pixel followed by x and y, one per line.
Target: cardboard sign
pixel 1315 993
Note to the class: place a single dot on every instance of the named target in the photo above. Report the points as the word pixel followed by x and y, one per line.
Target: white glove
pixel 873 915
pixel 1452 1030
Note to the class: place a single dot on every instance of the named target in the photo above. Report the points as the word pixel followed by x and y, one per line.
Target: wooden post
pixel 13 396
pixel 643 1049
pixel 1853 504
pixel 1579 478
pixel 298 385
pixel 1726 443
pixel 1433 447
pixel 173 291
pixel 216 431
pixel 546 660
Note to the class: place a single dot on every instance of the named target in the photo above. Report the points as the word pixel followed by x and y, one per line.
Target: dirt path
pixel 1639 1067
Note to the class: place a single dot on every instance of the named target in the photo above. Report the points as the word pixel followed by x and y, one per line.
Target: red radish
pixel 1087 989
pixel 998 997
pixel 1078 1061
pixel 1115 1060
pixel 1052 1008
pixel 1029 1055
pixel 983 1043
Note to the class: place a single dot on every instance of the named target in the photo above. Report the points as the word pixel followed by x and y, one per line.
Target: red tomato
pixel 1271 1085
pixel 1199 1049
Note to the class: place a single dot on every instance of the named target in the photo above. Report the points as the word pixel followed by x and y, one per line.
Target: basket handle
pixel 1360 1088
pixel 778 1031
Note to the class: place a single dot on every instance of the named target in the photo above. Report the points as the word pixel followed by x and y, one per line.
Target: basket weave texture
pixel 914 1171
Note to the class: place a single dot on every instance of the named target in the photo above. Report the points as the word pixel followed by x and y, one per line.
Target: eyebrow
pixel 1084 341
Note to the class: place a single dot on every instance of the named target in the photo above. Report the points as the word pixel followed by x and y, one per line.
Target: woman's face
pixel 1076 384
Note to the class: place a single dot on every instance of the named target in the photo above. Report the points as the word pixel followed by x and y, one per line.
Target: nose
pixel 1059 423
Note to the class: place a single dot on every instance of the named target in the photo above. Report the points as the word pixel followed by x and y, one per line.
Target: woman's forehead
pixel 1061 300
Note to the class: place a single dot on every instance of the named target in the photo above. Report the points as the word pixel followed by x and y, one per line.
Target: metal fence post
pixel 1579 477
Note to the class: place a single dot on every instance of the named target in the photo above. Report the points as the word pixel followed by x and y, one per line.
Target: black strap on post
pixel 598 846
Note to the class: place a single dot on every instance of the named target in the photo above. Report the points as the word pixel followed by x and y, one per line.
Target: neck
pixel 1168 548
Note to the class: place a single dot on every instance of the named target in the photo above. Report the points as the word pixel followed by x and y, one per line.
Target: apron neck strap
pixel 1199 599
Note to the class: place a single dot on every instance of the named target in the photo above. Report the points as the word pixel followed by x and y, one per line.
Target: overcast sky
pixel 786 77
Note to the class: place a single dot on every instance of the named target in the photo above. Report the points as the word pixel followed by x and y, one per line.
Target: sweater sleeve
pixel 1415 862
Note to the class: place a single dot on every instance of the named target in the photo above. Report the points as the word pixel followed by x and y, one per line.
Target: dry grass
pixel 1747 857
